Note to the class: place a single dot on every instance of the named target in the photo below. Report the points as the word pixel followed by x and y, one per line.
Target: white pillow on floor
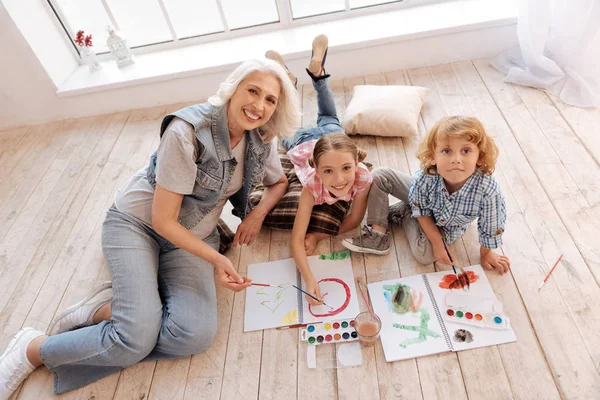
pixel 384 110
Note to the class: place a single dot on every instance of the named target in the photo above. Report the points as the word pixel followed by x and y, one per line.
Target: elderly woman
pixel 160 240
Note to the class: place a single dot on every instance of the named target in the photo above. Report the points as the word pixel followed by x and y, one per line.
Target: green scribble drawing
pixel 422 329
pixel 269 308
pixel 273 304
pixel 402 299
pixel 336 255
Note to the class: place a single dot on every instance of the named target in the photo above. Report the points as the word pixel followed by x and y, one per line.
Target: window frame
pixel 284 11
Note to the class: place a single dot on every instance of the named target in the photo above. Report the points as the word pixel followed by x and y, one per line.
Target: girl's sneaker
pixel 80 315
pixel 369 242
pixel 275 56
pixel 14 365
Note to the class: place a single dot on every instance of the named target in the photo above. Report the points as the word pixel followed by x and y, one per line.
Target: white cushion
pixel 384 110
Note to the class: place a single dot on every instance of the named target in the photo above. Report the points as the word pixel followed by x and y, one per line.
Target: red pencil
pixel 551 269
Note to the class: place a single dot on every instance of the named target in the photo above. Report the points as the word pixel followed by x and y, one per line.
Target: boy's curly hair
pixel 468 128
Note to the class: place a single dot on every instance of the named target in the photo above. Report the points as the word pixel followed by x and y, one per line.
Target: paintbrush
pixel 264 284
pixel 311 296
pixel 551 270
pixel 462 274
pixel 259 284
pixel 364 295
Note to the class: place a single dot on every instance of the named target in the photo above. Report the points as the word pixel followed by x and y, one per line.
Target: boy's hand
pixel 312 287
pixel 310 243
pixel 440 254
pixel 492 260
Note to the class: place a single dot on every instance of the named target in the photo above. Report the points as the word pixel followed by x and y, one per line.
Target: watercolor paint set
pixel 339 331
pixel 475 311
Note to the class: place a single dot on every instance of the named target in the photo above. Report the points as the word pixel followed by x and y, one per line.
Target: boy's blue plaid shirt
pixel 480 197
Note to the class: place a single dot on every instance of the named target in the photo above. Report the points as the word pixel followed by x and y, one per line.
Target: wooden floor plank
pixel 11 141
pixel 12 155
pixel 584 122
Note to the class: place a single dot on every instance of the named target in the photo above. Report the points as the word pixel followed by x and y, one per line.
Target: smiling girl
pixel 328 165
pixel 454 187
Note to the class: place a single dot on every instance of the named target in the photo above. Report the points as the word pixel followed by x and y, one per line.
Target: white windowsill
pixel 294 43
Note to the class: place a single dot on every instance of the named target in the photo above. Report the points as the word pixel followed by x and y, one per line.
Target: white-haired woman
pixel 160 240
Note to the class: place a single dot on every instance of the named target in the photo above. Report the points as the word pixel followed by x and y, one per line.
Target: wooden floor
pixel 58 180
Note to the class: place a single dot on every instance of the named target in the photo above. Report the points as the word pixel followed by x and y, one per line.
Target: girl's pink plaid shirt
pixel 307 175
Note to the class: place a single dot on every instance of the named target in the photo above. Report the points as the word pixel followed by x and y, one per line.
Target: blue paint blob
pixel 311 328
pixel 498 320
pixel 346 335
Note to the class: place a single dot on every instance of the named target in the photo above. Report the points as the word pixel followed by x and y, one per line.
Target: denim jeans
pixel 327 120
pixel 164 306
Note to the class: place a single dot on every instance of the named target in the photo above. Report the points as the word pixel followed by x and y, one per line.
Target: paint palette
pixel 476 311
pixel 329 332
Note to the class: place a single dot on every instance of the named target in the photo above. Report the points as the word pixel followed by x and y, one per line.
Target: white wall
pixel 28 95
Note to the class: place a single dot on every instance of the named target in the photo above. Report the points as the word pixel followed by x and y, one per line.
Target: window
pixel 149 23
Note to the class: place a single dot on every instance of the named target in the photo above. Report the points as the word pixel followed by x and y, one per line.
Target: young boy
pixel 454 187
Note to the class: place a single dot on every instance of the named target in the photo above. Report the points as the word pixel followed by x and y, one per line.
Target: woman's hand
pixel 312 287
pixel 228 276
pixel 310 243
pixel 248 229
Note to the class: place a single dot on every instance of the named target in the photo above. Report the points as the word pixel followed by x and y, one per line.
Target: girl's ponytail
pixel 360 154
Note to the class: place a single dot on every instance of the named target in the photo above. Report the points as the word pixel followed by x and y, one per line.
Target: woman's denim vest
pixel 215 164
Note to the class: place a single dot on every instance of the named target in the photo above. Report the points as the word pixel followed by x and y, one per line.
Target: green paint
pixel 423 330
pixel 336 255
pixel 311 340
pixel 459 314
pixel 344 324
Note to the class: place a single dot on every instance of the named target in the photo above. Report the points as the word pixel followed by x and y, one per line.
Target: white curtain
pixel 559 50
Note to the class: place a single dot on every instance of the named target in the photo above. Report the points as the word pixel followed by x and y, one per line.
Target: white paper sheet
pixel 271 307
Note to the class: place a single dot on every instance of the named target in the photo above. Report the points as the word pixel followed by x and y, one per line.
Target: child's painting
pixel 410 326
pixel 271 307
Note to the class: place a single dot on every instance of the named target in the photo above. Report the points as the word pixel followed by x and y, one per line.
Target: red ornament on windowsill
pixel 88 56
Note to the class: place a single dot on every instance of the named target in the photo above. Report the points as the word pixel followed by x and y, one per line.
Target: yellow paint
pixel 291 317
pixel 327 326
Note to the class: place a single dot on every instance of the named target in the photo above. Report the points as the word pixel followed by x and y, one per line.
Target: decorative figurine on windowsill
pixel 119 48
pixel 88 56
